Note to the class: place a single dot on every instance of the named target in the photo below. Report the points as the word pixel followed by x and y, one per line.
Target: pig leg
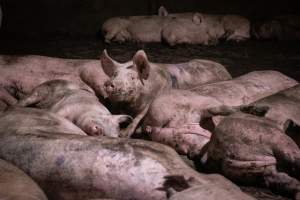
pixel 287 154
pixel 129 131
pixel 282 181
pixel 7 98
pixel 188 139
pixel 34 97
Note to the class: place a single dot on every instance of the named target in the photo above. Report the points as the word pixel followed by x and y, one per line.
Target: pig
pixel 72 167
pixel 254 150
pixel 136 83
pixel 237 28
pixel 283 108
pixel 26 120
pixel 148 29
pixel 285 27
pixel 187 31
pixel 16 185
pixel 134 28
pixel 20 74
pixel 79 106
pixel 206 29
pixel 174 116
pixel 116 29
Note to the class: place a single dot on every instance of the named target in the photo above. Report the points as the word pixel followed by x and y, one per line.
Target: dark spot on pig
pixel 129 67
pixel 178 183
pixel 60 160
pixel 174 82
pixel 293 131
pixel 259 111
pixel 207 123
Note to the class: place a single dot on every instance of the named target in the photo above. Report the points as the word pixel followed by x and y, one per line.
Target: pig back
pixel 197 72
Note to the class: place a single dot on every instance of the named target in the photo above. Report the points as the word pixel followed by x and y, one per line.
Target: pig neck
pixel 91 73
pixel 159 80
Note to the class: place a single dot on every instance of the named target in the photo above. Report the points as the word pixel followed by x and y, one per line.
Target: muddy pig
pixel 16 185
pixel 174 116
pixel 253 150
pixel 137 82
pixel 20 74
pixel 282 107
pixel 26 120
pixel 77 105
pixel 211 28
pixel 71 167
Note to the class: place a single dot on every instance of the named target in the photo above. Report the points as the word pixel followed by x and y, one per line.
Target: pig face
pixel 99 125
pixel 127 81
pixel 115 29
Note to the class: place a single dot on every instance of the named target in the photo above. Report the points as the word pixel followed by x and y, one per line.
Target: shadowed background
pixel 84 17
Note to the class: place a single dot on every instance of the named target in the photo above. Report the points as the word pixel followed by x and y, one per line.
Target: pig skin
pixel 253 150
pixel 176 109
pixel 136 83
pixel 78 167
pixel 79 106
pixel 20 74
pixel 16 185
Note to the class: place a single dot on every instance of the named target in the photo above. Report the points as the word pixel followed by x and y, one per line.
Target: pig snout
pixel 109 87
pixel 94 130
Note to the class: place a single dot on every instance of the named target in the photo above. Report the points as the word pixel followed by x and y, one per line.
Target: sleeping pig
pixel 254 150
pixel 174 116
pixel 20 74
pixel 79 106
pixel 71 167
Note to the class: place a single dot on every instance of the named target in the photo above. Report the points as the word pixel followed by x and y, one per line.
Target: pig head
pixel 134 83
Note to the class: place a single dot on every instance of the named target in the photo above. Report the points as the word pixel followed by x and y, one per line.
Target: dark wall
pixel 84 17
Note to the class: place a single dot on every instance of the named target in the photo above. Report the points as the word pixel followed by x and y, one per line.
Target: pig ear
pixel 123 120
pixel 109 66
pixel 197 18
pixel 162 11
pixel 142 64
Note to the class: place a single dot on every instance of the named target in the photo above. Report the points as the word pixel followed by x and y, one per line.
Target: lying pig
pixel 20 74
pixel 187 31
pixel 134 28
pixel 174 116
pixel 74 168
pixel 204 28
pixel 27 120
pixel 148 28
pixel 284 27
pixel 115 29
pixel 77 105
pixel 138 82
pixel 16 185
pixel 284 109
pixel 253 150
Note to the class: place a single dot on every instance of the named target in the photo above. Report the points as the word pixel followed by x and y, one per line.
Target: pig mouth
pixel 118 95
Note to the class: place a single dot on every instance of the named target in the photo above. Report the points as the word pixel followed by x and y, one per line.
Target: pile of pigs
pixel 59 139
pixel 80 129
pixel 197 28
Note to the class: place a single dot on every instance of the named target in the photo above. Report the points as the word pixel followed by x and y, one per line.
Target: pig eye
pixel 115 74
